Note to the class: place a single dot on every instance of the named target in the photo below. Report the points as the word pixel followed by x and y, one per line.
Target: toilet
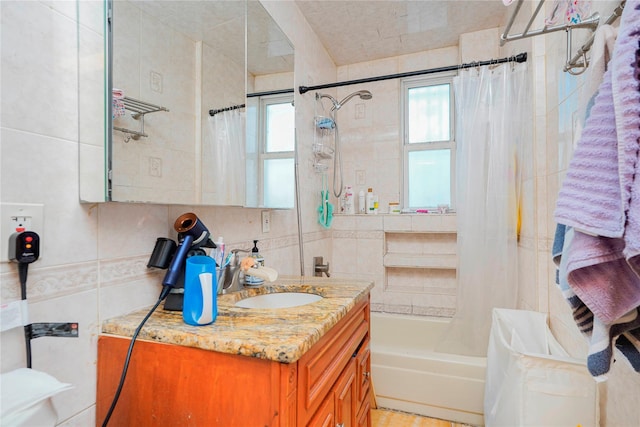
pixel 25 398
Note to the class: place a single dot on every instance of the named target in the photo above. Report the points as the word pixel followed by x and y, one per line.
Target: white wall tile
pixel 136 229
pixel 70 360
pixel 43 100
pixel 53 186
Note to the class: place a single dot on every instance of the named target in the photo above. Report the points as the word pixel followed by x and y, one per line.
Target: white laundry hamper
pixel 25 398
pixel 531 380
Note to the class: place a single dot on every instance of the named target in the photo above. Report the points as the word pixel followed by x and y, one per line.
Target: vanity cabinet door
pixel 325 416
pixel 364 414
pixel 340 406
pixel 345 394
pixel 363 362
pixel 320 368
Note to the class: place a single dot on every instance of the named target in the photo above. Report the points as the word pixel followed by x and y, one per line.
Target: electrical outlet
pixel 155 81
pixel 155 167
pixel 266 221
pixel 15 218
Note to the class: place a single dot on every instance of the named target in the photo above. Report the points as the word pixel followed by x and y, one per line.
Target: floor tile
pixel 387 418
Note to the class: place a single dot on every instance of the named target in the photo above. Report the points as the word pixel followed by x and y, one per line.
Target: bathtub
pixel 408 375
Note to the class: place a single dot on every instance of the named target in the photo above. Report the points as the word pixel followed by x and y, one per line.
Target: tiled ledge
pixel 428 223
pixel 441 261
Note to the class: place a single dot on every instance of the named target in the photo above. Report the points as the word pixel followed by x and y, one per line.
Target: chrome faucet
pixel 231 277
pixel 319 267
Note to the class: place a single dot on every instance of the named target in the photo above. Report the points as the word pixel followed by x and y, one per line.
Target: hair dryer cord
pixel 128 359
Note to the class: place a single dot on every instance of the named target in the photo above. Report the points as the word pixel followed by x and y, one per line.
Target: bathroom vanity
pixel 298 366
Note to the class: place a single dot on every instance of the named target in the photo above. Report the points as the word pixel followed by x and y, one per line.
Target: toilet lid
pixel 24 388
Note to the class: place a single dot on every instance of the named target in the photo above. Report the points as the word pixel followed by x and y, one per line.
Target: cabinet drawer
pixel 320 367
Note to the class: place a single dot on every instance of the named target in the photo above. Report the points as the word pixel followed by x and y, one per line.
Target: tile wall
pixel 93 263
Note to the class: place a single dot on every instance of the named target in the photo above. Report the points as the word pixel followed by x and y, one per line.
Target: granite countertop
pixel 282 335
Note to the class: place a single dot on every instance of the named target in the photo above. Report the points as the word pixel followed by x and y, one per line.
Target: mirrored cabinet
pixel 178 104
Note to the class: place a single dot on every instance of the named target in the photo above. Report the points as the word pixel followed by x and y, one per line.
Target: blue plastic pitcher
pixel 200 305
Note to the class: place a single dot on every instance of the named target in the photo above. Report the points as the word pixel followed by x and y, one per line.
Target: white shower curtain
pixel 224 165
pixel 493 118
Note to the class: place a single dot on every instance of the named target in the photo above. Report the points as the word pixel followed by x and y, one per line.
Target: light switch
pixel 266 221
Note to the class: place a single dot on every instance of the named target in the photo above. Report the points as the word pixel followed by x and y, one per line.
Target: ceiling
pixel 363 30
pixel 352 31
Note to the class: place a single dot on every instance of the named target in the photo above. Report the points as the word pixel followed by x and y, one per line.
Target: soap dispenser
pixel 255 253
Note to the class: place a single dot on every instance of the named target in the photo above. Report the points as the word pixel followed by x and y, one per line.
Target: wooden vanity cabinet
pixel 175 385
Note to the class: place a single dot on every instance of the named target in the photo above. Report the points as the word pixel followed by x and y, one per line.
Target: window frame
pixel 407 147
pixel 263 155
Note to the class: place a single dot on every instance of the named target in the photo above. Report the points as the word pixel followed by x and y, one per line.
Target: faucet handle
pixel 232 272
pixel 235 251
pixel 319 267
pixel 236 259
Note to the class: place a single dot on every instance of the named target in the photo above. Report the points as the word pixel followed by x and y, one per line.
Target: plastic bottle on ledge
pixel 375 204
pixel 369 201
pixel 349 207
pixel 361 203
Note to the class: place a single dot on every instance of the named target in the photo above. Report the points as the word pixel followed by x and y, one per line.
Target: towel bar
pixel 138 109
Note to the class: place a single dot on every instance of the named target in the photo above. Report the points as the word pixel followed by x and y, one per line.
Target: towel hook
pixel 571 66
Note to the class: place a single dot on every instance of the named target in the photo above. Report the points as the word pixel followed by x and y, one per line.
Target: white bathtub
pixel 408 375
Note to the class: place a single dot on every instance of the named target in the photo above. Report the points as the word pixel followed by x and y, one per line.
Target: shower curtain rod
pixel 220 110
pixel 521 57
pixel 273 92
pixel 251 95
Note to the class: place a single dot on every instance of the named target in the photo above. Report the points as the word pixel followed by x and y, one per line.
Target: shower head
pixel 363 94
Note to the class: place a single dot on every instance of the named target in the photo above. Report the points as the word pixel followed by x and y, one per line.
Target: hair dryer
pixel 194 234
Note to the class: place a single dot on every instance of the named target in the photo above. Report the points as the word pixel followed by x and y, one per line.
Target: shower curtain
pixel 224 161
pixel 493 119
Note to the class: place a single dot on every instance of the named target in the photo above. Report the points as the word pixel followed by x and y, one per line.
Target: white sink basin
pixel 278 300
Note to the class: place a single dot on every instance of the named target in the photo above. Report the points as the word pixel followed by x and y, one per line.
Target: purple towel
pixel 600 276
pixel 589 199
pixel 600 196
pixel 623 334
pixel 626 98
pixel 595 194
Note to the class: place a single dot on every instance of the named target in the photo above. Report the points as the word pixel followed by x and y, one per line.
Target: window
pixel 428 142
pixel 277 142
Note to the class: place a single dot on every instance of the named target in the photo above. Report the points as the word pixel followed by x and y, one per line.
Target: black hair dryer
pixel 192 234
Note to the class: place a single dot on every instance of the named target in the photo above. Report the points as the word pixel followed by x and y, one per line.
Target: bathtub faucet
pixel 319 267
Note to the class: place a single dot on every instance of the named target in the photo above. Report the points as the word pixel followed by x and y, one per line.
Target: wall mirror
pixel 180 86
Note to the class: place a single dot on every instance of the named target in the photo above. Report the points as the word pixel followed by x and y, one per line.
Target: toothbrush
pixel 227 260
